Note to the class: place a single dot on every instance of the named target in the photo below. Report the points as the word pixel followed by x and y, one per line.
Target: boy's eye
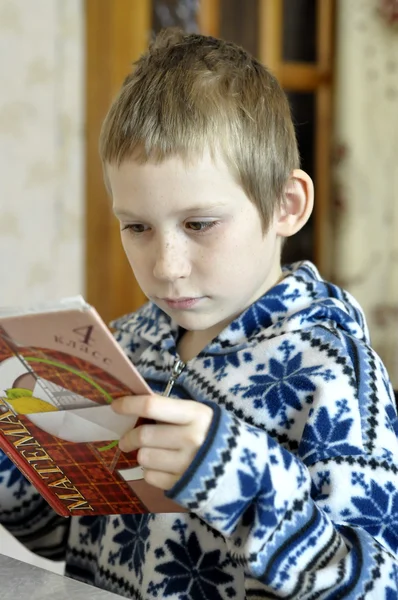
pixel 200 225
pixel 135 228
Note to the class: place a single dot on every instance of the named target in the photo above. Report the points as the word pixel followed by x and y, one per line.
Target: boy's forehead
pixel 173 187
pixel 195 160
pixel 204 170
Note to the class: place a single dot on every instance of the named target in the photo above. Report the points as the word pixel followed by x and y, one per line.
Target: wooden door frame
pixel 317 78
pixel 116 35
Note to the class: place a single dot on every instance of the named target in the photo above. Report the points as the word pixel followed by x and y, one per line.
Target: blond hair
pixel 190 93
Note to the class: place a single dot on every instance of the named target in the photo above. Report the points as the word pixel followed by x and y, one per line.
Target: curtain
pixel 365 199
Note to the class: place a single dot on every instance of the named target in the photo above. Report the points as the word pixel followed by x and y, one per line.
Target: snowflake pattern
pixel 132 541
pixel 190 572
pixel 251 483
pixel 377 508
pixel 94 529
pixel 219 364
pixel 266 310
pixel 283 384
pixel 327 436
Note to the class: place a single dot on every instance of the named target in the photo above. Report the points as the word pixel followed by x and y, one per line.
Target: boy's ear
pixel 298 204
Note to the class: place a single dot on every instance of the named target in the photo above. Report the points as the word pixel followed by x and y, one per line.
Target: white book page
pixel 72 303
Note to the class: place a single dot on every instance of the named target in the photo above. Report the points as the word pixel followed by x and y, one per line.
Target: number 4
pixel 85 333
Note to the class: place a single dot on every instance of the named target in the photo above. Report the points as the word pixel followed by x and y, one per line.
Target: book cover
pixel 60 369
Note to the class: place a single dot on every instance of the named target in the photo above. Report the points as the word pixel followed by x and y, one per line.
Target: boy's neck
pixel 191 343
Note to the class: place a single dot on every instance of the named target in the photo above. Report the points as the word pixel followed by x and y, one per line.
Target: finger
pixel 166 461
pixel 159 408
pixel 164 481
pixel 170 437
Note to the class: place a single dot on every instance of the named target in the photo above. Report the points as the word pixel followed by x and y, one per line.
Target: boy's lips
pixel 181 303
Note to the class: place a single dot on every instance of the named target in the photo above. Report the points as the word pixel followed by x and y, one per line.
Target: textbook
pixel 60 370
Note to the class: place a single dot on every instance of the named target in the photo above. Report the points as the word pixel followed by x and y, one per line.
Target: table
pixel 22 581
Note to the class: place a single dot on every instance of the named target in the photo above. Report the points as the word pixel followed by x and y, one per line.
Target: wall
pixel 366 195
pixel 41 145
pixel 42 152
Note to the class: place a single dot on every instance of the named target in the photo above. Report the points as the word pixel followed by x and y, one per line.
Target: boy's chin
pixel 209 327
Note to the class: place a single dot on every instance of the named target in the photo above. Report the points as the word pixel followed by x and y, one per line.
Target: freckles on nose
pixel 169 248
pixel 174 258
pixel 168 254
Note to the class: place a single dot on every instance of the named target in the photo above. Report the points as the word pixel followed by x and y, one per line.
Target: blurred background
pixel 61 64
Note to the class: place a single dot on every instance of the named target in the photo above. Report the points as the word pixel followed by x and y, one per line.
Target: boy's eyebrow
pixel 191 210
pixel 123 213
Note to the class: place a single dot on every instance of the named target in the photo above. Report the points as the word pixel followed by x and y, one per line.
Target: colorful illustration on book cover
pixel 64 402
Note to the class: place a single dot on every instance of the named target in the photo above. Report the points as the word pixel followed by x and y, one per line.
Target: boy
pixel 278 434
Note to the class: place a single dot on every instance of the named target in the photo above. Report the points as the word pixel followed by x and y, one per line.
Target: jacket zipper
pixel 176 371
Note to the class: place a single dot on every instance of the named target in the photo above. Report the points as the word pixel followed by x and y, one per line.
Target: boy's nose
pixel 171 262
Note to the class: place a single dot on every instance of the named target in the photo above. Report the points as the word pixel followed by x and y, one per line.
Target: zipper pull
pixel 176 371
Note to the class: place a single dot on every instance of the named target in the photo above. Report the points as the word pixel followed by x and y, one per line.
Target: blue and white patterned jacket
pixel 294 493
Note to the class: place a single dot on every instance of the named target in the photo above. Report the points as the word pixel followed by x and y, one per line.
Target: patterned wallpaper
pixel 366 194
pixel 41 149
pixel 41 166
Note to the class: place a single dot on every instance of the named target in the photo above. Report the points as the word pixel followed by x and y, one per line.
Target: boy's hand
pixel 166 448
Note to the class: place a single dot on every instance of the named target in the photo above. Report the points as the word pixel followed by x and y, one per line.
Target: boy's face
pixel 194 240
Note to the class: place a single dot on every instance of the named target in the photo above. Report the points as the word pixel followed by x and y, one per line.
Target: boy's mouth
pixel 181 303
